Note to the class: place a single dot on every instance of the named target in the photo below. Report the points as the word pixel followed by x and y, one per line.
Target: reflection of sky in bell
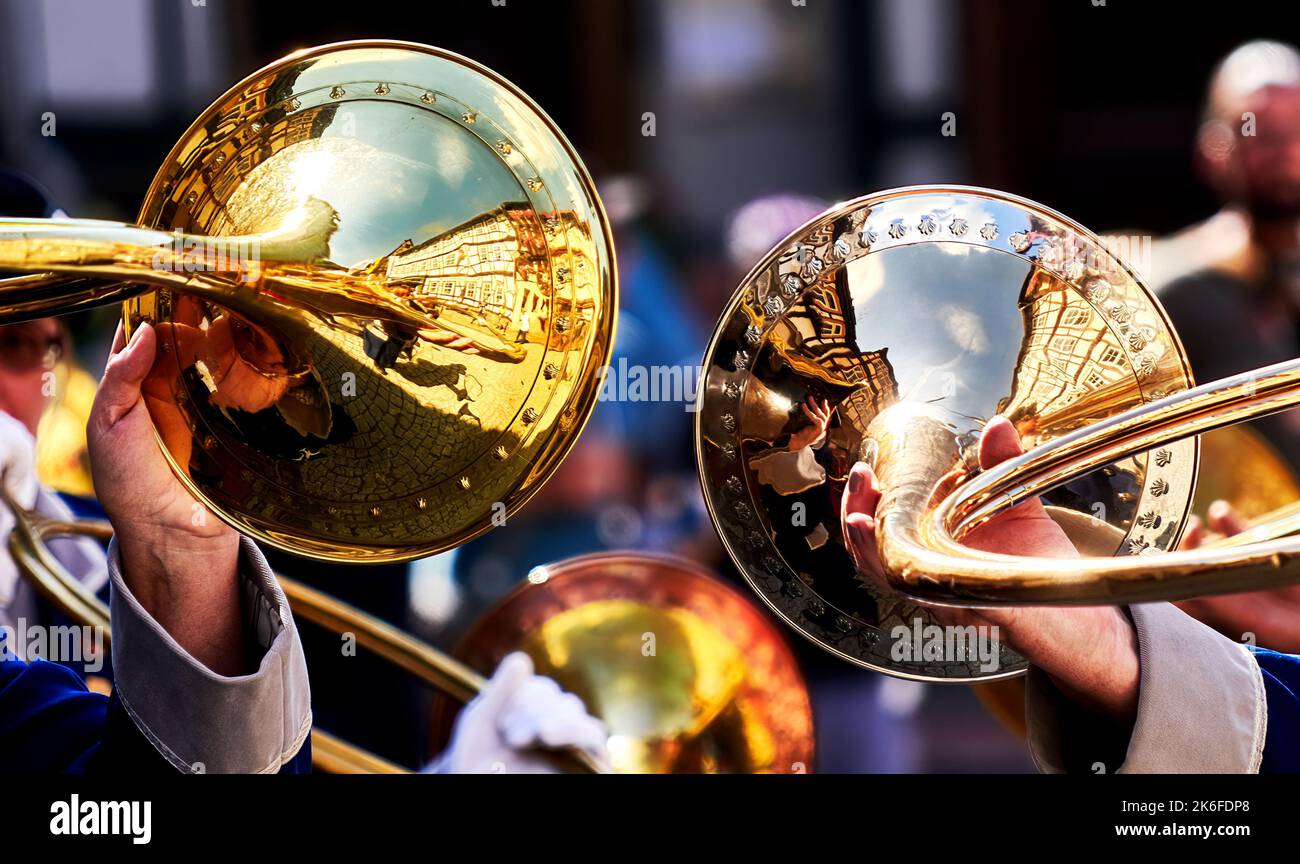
pixel 390 178
pixel 959 347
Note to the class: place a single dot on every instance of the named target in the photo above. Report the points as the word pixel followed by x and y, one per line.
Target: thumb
pixel 119 389
pixel 509 676
pixel 999 442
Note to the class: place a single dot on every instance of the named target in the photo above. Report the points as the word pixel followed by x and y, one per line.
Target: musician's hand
pixel 501 731
pixel 1267 618
pixel 1090 652
pixel 1222 519
pixel 177 558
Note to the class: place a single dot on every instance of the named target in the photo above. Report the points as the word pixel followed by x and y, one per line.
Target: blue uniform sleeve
pixel 1282 689
pixel 50 723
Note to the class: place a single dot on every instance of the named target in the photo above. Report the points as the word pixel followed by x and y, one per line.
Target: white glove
pixel 18 465
pixel 18 461
pixel 503 729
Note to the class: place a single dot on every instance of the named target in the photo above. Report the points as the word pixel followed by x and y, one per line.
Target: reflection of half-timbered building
pixel 494 269
pixel 827 338
pixel 478 268
pixel 1066 354
pixel 208 194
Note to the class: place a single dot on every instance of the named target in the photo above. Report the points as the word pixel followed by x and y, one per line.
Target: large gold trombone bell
pixel 384 290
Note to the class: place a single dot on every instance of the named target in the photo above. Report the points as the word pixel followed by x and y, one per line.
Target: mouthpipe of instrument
pixel 74 264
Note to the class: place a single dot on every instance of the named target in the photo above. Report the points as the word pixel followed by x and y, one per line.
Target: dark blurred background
pixel 1091 109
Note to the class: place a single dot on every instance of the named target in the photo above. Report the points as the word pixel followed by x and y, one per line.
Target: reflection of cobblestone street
pixel 473 400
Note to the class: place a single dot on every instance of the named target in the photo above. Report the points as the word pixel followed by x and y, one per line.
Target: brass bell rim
pixel 549 456
pixel 841 209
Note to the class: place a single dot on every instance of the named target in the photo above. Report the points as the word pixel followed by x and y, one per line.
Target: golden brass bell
pixel 384 288
pixel 688 676
pixel 385 292
pixel 919 314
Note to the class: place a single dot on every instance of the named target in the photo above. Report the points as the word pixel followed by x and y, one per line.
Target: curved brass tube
pixel 899 323
pixel 433 667
pixel 37 295
pixel 293 279
pixel 1274 525
pixel 75 264
pixel 920 545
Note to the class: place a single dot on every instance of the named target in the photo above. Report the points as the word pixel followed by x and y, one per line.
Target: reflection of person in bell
pixel 805 512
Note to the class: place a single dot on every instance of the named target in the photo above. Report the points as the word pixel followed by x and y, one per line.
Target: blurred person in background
pixel 29 354
pixel 1237 306
pixel 1240 308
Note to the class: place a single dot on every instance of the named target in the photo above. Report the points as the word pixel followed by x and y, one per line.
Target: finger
pixel 560 719
pixel 862 492
pixel 119 390
pixel 511 673
pixel 1194 536
pixel 809 413
pixel 1224 519
pixel 999 442
pixel 523 716
pixel 857 518
pixel 574 729
pixel 864 545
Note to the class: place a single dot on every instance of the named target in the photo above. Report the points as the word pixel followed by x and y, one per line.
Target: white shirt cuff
pixel 1201 705
pixel 202 722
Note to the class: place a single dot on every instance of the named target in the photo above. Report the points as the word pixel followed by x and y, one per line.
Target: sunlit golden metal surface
pixel 62 462
pixel 970 302
pixel 688 675
pixel 384 288
pixel 1239 466
pixel 923 555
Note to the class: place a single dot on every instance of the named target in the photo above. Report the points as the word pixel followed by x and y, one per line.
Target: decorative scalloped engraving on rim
pixel 874 225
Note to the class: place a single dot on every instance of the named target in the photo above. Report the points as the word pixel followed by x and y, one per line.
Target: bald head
pixel 1248 147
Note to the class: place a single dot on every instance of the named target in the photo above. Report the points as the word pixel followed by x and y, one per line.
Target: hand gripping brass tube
pixel 920 536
